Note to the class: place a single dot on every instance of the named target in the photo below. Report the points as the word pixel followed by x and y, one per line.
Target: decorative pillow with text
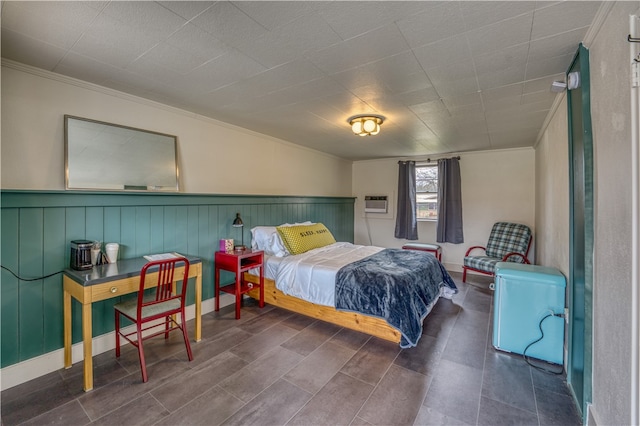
pixel 300 239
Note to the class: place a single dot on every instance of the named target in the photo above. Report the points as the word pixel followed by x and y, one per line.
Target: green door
pixel 581 230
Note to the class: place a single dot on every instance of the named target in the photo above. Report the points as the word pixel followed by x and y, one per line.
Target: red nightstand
pixel 238 262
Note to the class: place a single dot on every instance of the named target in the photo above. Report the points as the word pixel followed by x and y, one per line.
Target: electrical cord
pixel 29 279
pixel 524 353
pixel 366 222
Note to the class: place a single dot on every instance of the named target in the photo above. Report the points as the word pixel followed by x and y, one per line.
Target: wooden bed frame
pixel 359 322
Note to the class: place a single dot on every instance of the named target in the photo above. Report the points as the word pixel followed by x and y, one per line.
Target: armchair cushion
pixel 508 238
pixel 483 263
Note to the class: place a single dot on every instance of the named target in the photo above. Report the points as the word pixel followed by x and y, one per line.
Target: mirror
pixel 104 156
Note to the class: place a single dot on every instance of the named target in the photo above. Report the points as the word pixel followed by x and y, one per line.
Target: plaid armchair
pixel 508 242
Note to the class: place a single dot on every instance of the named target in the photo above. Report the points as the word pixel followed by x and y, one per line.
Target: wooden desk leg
pixel 87 340
pixel 199 306
pixel 67 329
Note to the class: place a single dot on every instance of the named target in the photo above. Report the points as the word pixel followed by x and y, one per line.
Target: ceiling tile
pixel 451 49
pixel 111 41
pixel 158 21
pixel 196 41
pixel 547 66
pixel 509 32
pixel 501 92
pixel 392 70
pixel 353 18
pixel 478 14
pixel 556 45
pixel 231 67
pixel 444 20
pixel 229 24
pixel 187 9
pixel 562 17
pixel 289 42
pixel 355 52
pixel 87 69
pixel 169 57
pixel 272 15
pixel 59 24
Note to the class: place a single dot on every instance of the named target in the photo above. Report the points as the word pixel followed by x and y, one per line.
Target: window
pixel 427 192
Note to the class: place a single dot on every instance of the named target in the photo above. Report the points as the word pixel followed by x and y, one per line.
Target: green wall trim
pixel 37 227
pixel 579 373
pixel 34 198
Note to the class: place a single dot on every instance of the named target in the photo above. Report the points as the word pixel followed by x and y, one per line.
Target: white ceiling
pixel 449 76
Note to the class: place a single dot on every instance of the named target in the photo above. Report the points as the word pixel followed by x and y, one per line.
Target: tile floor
pixel 274 367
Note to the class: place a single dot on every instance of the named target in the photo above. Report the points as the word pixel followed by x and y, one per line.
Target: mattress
pixel 311 276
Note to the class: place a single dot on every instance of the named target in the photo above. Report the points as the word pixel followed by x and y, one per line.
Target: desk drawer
pixel 130 285
pixel 114 289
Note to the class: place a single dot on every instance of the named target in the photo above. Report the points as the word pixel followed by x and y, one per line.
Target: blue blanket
pixel 399 286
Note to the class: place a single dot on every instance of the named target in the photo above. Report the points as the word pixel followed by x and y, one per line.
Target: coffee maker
pixel 81 254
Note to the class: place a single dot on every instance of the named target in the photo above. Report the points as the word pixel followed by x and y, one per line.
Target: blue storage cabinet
pixel 524 295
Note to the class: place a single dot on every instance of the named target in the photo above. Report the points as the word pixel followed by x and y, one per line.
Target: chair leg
pixel 464 274
pixel 183 327
pixel 167 323
pixel 117 333
pixel 143 365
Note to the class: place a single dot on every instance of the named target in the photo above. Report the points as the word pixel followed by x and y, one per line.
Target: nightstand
pixel 238 262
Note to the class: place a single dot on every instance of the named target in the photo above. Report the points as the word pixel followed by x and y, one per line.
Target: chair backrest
pixel 164 285
pixel 509 237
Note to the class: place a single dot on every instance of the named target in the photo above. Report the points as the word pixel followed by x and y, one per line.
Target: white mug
pixel 111 250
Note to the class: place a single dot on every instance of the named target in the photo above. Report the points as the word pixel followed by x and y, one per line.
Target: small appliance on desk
pixel 81 255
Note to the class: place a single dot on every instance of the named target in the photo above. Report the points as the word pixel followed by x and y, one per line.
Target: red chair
pixel 148 310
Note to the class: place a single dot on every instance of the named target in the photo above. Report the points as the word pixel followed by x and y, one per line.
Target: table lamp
pixel 237 223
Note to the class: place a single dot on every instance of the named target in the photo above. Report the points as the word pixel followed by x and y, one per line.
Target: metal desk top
pixel 124 268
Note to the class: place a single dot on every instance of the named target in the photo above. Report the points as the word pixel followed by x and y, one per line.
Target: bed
pixel 386 293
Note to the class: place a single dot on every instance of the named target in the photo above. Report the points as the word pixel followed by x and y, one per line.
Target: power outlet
pixel 566 315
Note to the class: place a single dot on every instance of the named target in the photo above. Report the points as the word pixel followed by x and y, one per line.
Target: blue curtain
pixel 406 221
pixel 449 229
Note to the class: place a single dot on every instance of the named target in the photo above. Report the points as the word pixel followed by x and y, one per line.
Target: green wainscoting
pixel 37 227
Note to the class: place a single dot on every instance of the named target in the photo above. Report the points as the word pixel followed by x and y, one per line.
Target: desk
pixel 107 281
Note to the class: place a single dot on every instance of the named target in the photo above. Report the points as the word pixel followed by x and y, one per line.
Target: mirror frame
pixel 102 161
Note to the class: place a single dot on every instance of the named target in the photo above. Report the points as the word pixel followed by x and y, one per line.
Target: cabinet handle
pixel 114 289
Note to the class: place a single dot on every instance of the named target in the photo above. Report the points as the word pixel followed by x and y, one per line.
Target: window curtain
pixel 406 221
pixel 449 229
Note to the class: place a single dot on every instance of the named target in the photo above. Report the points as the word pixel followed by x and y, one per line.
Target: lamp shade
pixel 237 222
pixel 366 124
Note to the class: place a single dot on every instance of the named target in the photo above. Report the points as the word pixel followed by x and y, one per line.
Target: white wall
pixel 214 157
pixel 612 288
pixel 612 400
pixel 496 185
pixel 552 192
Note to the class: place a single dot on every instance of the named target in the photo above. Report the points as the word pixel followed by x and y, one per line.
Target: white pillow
pixel 268 239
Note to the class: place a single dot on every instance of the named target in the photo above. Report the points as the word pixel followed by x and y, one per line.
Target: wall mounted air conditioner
pixel 376 203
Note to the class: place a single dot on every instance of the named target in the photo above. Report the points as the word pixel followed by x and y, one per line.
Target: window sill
pixel 428 220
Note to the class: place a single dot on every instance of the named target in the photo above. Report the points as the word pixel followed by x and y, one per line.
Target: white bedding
pixel 311 276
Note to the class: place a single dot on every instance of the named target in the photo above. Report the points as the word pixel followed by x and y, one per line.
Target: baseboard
pixel 24 371
pixel 591 416
pixel 452 267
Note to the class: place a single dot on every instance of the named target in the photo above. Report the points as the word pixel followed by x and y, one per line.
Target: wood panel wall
pixel 37 227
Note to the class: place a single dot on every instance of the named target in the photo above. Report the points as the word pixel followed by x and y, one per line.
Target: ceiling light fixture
pixel 365 124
